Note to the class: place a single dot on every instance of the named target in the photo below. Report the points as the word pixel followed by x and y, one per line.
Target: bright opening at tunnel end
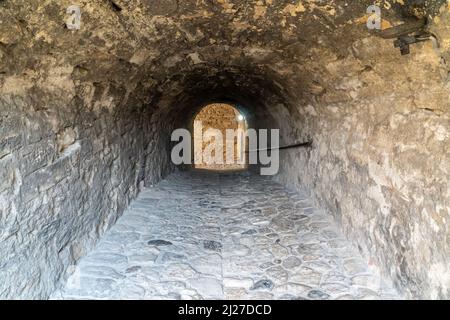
pixel 260 151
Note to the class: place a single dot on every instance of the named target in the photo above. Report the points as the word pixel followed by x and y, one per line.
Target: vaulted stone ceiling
pixel 137 46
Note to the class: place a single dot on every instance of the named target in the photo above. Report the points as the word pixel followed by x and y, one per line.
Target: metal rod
pixel 295 145
pixel 403 29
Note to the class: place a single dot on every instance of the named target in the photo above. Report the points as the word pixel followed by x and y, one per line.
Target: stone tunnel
pixel 88 102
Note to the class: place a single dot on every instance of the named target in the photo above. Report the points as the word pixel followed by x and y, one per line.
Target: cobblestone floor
pixel 203 235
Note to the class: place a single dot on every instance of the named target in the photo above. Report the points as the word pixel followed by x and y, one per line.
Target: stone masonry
pixel 220 117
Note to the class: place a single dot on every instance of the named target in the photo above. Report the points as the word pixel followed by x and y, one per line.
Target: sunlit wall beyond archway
pixel 212 149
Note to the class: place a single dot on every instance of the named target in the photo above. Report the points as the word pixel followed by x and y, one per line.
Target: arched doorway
pixel 220 138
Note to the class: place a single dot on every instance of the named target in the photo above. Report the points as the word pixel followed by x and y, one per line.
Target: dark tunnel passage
pixel 86 117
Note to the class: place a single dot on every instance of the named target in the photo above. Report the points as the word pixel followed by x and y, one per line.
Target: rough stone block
pixel 6 173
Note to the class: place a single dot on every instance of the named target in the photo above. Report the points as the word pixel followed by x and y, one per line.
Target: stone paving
pixel 201 235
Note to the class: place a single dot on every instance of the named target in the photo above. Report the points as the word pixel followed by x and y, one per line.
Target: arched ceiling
pixel 177 55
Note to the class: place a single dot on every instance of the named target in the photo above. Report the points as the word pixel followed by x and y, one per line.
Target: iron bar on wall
pixel 291 146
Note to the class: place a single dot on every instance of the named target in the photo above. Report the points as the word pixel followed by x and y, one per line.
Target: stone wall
pixel 381 159
pixel 70 162
pixel 221 117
